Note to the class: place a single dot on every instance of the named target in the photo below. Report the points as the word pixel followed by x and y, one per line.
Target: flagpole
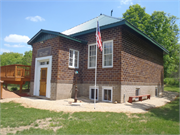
pixel 95 72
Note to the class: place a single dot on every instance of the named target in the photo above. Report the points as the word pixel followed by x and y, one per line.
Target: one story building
pixel 131 63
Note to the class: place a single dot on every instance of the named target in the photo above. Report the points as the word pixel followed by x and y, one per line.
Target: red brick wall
pixel 104 75
pixel 60 59
pixel 140 62
pixel 134 59
pixel 66 74
pixel 54 43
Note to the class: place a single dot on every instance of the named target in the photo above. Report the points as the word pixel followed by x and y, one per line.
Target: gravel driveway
pixel 88 106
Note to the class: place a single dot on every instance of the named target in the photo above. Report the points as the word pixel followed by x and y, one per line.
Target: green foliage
pixel 162 120
pixel 27 59
pixel 14 88
pixel 16 58
pixel 11 58
pixel 137 16
pixel 171 81
pixel 162 28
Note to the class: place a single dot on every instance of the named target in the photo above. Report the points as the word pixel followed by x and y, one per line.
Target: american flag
pixel 98 37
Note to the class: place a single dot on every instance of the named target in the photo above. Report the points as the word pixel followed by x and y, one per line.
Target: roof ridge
pixel 114 17
pixel 82 23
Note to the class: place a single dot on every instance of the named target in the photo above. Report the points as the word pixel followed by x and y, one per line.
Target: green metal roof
pixel 91 24
pixel 47 34
pixel 104 23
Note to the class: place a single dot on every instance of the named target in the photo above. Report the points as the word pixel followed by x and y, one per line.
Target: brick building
pixel 131 63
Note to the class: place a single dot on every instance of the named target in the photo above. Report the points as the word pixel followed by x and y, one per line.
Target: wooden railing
pixel 15 71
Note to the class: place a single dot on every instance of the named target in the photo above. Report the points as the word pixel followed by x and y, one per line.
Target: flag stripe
pixel 98 37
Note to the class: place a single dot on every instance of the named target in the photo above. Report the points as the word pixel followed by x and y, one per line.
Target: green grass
pixel 162 120
pixel 171 88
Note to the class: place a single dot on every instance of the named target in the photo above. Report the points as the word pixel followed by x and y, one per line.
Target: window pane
pixel 92 55
pixel 73 58
pixel 75 64
pixel 105 94
pixel 42 63
pixel 92 93
pixel 76 54
pixel 70 62
pixel 108 54
pixel 71 53
pixel 109 95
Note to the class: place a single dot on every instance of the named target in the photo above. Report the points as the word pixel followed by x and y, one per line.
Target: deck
pixel 15 74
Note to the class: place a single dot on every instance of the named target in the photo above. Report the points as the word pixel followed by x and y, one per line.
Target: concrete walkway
pixel 88 105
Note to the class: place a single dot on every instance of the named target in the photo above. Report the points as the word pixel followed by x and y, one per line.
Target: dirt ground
pixel 87 105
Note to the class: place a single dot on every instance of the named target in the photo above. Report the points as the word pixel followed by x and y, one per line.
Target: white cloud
pixel 16 38
pixel 4 50
pixel 15 46
pixel 126 2
pixel 35 18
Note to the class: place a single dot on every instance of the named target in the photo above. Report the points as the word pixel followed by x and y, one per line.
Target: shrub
pixel 171 81
pixel 14 88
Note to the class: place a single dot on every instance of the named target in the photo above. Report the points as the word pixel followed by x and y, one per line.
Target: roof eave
pixel 123 22
pixel 30 42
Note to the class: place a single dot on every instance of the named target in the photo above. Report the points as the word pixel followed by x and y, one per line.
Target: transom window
pixel 107 94
pixel 92 56
pixel 107 54
pixel 73 58
pixel 44 63
pixel 91 93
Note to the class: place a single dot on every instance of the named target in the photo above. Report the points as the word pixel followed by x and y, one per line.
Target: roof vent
pixel 111 12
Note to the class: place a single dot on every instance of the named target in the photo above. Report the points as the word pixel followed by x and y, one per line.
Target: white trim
pixel 73 64
pixel 37 75
pixel 108 88
pixel 103 55
pixel 93 87
pixel 88 56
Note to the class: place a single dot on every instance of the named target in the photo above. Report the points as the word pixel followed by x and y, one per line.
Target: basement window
pixel 107 94
pixel 91 93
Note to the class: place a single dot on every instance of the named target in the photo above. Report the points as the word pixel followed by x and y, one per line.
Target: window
pixel 137 93
pixel 91 93
pixel 107 94
pixel 73 58
pixel 107 54
pixel 44 63
pixel 92 56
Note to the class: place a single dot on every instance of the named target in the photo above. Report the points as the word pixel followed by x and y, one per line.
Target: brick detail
pixel 140 60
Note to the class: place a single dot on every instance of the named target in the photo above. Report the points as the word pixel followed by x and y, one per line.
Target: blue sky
pixel 20 20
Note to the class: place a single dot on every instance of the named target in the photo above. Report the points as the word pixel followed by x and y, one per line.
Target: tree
pixel 16 58
pixel 27 59
pixel 11 58
pixel 137 17
pixel 162 28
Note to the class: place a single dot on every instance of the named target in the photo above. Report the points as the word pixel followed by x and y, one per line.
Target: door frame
pixel 37 74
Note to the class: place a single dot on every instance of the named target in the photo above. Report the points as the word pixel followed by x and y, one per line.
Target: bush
pixel 14 88
pixel 171 81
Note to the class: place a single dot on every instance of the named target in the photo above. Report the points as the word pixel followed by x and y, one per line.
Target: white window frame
pixel 89 54
pixel 73 64
pixel 109 88
pixel 93 87
pixel 103 54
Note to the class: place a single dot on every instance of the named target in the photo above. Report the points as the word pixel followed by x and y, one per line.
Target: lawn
pixel 162 120
pixel 172 88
